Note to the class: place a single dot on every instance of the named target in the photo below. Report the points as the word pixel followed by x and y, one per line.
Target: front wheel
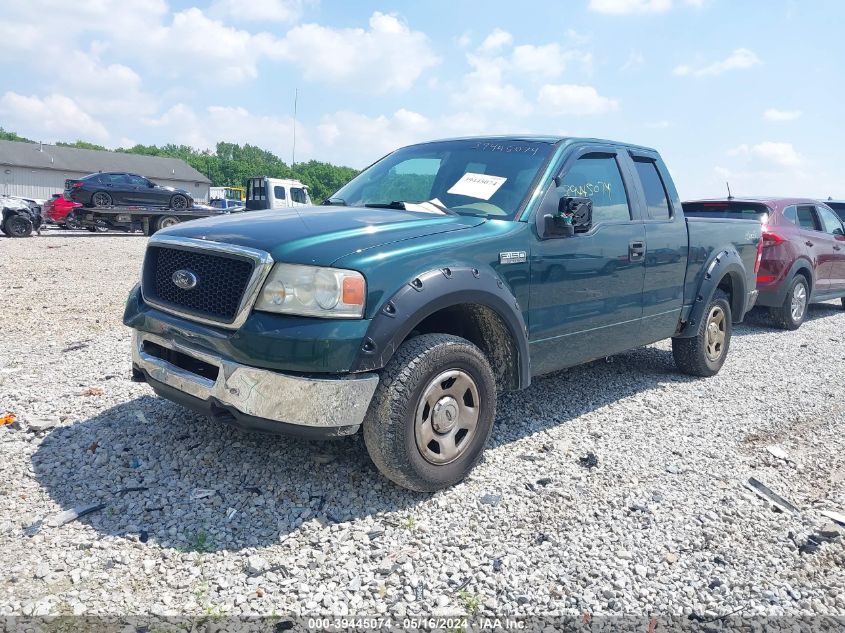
pixel 179 202
pixel 17 226
pixel 793 312
pixel 432 412
pixel 705 353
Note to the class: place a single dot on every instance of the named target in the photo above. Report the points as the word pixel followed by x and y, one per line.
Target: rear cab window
pixel 731 209
pixel 657 202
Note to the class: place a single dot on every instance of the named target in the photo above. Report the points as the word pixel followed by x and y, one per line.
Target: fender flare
pixel 431 292
pixel 722 263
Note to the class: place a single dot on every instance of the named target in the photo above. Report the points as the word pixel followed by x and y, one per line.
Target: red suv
pixel 803 254
pixel 59 211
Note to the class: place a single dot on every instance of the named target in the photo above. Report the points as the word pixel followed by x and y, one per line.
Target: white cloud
pixel 626 7
pixel 574 99
pixel 773 114
pixel 259 10
pixel 773 153
pixel 203 129
pixel 388 56
pixel 740 59
pixel 622 7
pixel 356 139
pixel 660 125
pixel 635 61
pixel 55 114
pixel 494 42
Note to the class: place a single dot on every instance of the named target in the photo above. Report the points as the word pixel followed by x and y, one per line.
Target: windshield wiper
pixel 340 202
pixel 396 204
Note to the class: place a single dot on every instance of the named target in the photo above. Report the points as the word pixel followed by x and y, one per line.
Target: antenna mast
pixel 293 150
pixel 728 185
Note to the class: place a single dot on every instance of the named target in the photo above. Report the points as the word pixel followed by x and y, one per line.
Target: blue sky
pixel 748 92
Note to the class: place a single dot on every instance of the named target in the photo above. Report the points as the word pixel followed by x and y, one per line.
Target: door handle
pixel 837 248
pixel 636 250
pixel 808 243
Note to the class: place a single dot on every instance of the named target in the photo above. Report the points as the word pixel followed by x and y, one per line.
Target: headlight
pixel 313 291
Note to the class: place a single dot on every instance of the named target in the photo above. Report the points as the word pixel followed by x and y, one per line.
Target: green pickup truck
pixel 443 274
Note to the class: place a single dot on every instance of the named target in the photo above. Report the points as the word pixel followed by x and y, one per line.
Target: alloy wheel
pixel 799 302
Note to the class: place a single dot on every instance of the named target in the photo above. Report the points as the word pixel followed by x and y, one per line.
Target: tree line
pixel 231 164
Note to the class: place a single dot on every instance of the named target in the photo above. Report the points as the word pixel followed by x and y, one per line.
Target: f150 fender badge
pixel 512 257
pixel 184 279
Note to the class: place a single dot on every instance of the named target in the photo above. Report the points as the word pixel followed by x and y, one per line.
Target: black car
pixel 117 188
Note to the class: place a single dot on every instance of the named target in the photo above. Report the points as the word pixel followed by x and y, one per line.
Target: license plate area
pixel 185 362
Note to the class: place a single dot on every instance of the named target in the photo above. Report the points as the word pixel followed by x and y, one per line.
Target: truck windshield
pixel 727 209
pixel 469 177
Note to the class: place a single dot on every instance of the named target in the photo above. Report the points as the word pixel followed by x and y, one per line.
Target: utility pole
pixel 293 151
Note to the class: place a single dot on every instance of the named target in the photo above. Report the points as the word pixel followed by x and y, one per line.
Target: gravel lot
pixel 202 519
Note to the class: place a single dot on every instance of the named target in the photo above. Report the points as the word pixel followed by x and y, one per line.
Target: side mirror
pixel 150 184
pixel 557 226
pixel 580 210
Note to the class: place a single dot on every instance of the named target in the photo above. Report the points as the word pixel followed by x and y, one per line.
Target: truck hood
pixel 320 235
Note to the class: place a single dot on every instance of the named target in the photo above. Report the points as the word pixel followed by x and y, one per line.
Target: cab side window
pixel 656 199
pixel 597 177
pixel 279 192
pixel 807 219
pixel 830 221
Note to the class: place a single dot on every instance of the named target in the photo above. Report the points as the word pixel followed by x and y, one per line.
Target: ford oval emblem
pixel 185 279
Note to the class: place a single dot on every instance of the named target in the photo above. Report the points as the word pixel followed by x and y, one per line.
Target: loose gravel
pixel 616 487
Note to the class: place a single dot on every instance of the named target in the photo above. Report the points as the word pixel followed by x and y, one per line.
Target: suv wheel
pixel 705 353
pixel 793 312
pixel 432 412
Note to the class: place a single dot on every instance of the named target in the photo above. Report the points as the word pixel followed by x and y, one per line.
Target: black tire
pixel 71 221
pixel 101 199
pixel 3 228
pixel 390 427
pixel 784 316
pixel 179 202
pixel 166 220
pixel 700 355
pixel 17 226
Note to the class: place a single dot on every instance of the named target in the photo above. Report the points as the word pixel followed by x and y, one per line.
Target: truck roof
pixel 541 138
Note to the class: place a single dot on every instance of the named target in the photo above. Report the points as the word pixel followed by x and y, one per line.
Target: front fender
pixel 723 263
pixel 436 290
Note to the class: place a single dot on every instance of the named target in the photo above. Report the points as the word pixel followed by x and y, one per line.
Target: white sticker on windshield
pixel 479 186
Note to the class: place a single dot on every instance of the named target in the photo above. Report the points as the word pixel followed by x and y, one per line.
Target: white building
pixel 34 170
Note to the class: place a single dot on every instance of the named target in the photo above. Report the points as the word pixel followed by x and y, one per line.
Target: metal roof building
pixel 35 170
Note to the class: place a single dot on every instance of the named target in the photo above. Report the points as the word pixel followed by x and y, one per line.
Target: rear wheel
pixel 705 353
pixel 178 202
pixel 793 312
pixel 432 412
pixel 18 226
pixel 71 222
pixel 101 199
pixel 165 221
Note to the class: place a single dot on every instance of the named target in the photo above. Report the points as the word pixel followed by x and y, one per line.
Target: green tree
pixel 11 136
pixel 82 145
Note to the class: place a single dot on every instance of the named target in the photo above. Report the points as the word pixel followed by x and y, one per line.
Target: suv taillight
pixel 770 238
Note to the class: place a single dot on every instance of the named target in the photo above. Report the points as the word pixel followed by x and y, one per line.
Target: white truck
pixel 275 193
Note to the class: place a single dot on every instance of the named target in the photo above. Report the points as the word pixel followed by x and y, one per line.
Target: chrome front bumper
pixel 321 403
